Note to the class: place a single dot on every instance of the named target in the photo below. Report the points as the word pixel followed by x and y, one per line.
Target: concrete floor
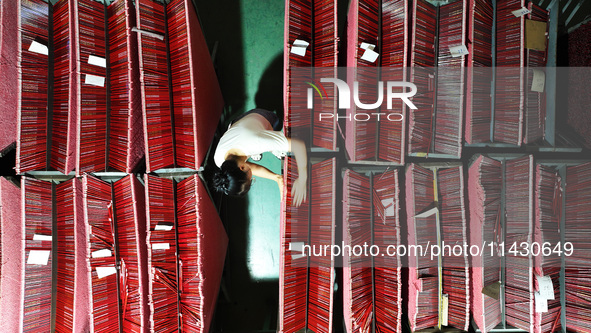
pixel 249 62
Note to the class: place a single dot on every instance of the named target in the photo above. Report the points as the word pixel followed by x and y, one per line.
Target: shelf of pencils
pixel 43 274
pixel 70 314
pixel 535 101
pixel 557 264
pixel 9 90
pixel 577 212
pixel 187 249
pixel 125 142
pixel 181 97
pixel 33 105
pixel 561 209
pixel 11 255
pixel 479 75
pixel 77 109
pixel 438 58
pixel 310 51
pixel 549 196
pixel 484 191
pixel 502 216
pixel 377 35
pixel 38 279
pixel 508 54
pixel 372 286
pixel 518 228
pixel 103 256
pixel 117 253
pixel 81 257
pixel 92 93
pixel 305 281
pixel 438 286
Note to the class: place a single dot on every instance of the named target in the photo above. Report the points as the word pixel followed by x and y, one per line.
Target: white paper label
pixel 538 81
pixel 97 61
pixel 367 46
pixel 165 227
pixel 39 48
pixel 102 272
pixel 521 12
pixel 444 309
pixel 102 253
pixel 388 206
pixel 545 286
pixel 147 33
pixel 38 257
pixel 299 47
pixel 94 80
pixel 37 237
pixel 370 55
pixel 458 50
pixel 296 246
pixel 428 213
pixel 541 302
pixel 160 246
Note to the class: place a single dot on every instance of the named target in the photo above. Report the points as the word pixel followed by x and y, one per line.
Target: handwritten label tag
pixel 458 50
pixel 39 48
pixel 94 80
pixel 97 61
pixel 538 81
pixel 545 286
pixel 102 272
pixel 38 257
pixel 299 47
pixel 541 302
pixel 104 253
pixel 521 12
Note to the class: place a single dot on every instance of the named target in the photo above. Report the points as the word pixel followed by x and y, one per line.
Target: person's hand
pixel 298 191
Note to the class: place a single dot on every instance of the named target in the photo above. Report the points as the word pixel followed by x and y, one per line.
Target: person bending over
pixel 250 135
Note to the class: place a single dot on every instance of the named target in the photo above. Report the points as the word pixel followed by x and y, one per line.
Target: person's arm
pixel 298 191
pixel 261 171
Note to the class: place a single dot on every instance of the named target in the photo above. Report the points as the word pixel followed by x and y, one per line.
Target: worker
pixel 253 133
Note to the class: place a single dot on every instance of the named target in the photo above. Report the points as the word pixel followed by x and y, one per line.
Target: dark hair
pixel 230 180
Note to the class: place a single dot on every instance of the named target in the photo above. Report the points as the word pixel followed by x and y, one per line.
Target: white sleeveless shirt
pixel 252 135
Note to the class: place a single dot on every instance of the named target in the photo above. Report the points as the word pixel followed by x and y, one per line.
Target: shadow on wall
pixel 269 95
pixel 222 27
